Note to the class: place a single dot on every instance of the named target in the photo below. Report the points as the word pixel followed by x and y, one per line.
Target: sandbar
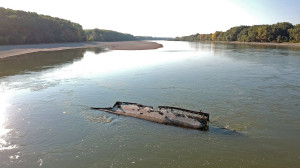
pixel 14 50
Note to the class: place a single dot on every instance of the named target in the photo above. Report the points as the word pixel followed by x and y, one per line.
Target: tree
pixel 107 35
pixel 232 33
pixel 294 33
pixel 19 27
pixel 215 36
pixel 279 32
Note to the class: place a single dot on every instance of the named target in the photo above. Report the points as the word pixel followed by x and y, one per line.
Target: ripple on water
pixel 5 145
pixel 101 119
pixel 242 90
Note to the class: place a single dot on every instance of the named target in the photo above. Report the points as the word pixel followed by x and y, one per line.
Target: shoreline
pixel 261 43
pixel 270 44
pixel 15 50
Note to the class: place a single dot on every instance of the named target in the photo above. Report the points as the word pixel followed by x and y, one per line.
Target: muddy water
pixel 46 121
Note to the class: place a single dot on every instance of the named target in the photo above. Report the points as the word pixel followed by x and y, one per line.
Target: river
pixel 252 93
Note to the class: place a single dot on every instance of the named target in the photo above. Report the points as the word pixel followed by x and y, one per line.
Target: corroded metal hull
pixel 164 115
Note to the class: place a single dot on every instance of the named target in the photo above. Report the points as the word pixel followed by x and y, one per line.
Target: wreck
pixel 164 115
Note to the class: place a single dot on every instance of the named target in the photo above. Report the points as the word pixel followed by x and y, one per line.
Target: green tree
pixel 294 33
pixel 232 33
pixel 19 27
pixel 107 35
pixel 279 32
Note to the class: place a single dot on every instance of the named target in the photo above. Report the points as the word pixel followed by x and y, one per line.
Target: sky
pixel 164 18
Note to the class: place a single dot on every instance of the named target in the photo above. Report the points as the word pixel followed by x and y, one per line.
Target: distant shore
pixel 14 50
pixel 297 45
pixel 267 43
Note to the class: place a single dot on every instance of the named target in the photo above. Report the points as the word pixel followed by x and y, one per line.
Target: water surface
pixel 45 100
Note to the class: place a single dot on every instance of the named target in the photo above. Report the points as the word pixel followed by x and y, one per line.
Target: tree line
pixel 152 38
pixel 279 32
pixel 20 27
pixel 107 35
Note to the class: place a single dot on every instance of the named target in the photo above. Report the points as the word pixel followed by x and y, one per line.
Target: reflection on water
pixel 45 109
pixel 4 143
pixel 41 61
pixel 112 63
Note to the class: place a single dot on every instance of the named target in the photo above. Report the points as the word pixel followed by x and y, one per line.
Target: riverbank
pixel 269 44
pixel 260 43
pixel 14 50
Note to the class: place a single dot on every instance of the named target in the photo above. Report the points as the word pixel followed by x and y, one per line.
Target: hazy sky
pixel 165 18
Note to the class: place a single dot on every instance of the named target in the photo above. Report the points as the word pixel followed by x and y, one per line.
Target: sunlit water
pixel 46 121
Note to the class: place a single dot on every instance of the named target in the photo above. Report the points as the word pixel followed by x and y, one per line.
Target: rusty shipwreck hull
pixel 164 115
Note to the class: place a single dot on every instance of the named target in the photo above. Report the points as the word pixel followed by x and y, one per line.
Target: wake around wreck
pixel 164 115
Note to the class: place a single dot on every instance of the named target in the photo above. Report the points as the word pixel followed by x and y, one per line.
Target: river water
pixel 252 93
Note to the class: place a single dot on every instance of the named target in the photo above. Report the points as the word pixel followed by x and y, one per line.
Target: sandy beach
pixel 14 50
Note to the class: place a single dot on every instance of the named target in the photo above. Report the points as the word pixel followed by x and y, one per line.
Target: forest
pixel 279 32
pixel 20 27
pixel 153 38
pixel 107 35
